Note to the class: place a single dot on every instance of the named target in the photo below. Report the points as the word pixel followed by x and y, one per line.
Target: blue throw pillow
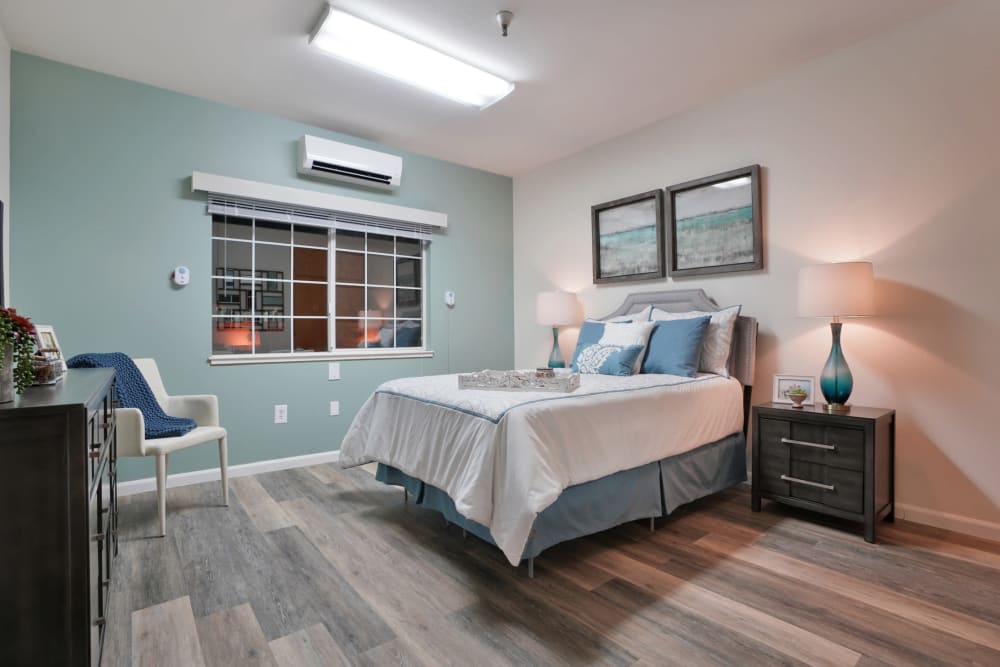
pixel 675 347
pixel 607 359
pixel 590 333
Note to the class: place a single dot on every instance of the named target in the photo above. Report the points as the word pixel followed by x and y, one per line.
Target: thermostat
pixel 182 276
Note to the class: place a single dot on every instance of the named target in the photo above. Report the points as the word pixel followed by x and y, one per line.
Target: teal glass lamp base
pixel 556 358
pixel 836 381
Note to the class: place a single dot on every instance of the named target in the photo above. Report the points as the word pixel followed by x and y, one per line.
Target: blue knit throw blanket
pixel 134 392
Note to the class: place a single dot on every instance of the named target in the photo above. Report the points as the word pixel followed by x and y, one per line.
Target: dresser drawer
pixel 835 446
pixel 833 487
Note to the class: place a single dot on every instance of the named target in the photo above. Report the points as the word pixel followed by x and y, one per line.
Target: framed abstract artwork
pixel 715 224
pixel 628 238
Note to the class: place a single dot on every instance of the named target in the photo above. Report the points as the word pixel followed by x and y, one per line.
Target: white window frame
pixel 332 353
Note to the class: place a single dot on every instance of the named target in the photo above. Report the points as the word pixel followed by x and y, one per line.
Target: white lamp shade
pixel 557 309
pixel 846 289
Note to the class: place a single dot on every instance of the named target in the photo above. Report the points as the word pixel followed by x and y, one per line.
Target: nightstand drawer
pixel 836 446
pixel 833 487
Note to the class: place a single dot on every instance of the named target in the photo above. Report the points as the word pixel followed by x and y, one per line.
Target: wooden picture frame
pixel 783 382
pixel 628 238
pixel 48 344
pixel 715 224
pixel 3 275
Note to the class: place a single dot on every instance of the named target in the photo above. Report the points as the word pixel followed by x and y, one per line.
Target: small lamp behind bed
pixel 557 309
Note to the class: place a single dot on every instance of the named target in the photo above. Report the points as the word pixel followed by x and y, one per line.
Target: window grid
pixel 332 249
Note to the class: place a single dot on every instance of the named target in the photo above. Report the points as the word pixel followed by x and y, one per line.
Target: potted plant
pixel 797 395
pixel 17 342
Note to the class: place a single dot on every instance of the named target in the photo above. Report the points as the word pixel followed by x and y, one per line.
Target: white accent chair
pixel 203 409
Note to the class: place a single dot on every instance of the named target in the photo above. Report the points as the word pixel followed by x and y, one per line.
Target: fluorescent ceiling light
pixel 361 43
pixel 735 183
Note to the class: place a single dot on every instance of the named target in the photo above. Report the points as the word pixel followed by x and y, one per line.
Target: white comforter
pixel 503 457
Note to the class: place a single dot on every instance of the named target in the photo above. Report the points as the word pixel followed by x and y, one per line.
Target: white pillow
pixel 640 316
pixel 627 334
pixel 718 340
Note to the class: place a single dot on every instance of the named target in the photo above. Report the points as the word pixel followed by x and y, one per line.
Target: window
pixel 282 288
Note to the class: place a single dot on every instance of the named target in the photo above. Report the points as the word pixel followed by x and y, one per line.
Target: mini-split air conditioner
pixel 343 162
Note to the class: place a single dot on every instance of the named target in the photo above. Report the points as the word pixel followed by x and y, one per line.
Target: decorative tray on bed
pixel 530 380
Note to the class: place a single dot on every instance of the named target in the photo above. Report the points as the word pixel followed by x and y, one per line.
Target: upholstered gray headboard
pixel 742 359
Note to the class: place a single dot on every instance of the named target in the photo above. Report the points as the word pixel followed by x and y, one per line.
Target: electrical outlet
pixel 449 299
pixel 334 373
pixel 334 408
pixel 281 414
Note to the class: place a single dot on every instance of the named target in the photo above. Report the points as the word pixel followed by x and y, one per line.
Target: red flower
pixel 22 323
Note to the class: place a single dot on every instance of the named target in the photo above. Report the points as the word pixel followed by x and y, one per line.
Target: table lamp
pixel 845 289
pixel 556 309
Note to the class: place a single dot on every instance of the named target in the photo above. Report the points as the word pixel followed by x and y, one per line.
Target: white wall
pixel 5 153
pixel 887 151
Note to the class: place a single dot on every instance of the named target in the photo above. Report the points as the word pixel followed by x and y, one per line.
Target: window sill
pixel 342 355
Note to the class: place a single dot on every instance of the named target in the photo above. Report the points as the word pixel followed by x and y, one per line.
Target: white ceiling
pixel 586 70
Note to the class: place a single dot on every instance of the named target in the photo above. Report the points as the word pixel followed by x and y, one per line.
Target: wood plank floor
pixel 318 566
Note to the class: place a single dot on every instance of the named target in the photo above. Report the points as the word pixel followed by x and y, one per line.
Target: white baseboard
pixel 960 524
pixel 213 475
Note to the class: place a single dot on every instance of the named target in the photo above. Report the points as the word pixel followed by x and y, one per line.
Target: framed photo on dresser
pixel 48 344
pixel 3 266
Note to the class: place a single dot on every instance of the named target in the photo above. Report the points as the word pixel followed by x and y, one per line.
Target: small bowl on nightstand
pixel 796 398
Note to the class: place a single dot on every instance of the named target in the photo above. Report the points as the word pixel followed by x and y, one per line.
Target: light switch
pixel 334 408
pixel 334 370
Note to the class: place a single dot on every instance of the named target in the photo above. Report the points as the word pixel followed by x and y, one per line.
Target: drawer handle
pixel 804 443
pixel 95 452
pixel 796 480
pixel 99 621
pixel 97 537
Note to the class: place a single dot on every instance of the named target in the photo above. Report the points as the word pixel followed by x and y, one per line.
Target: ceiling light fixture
pixel 379 50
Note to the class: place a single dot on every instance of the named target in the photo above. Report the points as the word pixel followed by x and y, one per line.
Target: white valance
pixel 262 201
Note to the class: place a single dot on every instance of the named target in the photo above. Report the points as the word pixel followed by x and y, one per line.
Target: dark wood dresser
pixel 840 464
pixel 57 485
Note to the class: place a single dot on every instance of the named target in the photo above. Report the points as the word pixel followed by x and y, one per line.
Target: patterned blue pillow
pixel 607 359
pixel 590 333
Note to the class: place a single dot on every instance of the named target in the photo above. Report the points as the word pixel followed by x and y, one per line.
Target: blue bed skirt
pixel 652 490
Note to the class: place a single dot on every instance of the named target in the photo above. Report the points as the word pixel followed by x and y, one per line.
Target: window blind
pixel 241 207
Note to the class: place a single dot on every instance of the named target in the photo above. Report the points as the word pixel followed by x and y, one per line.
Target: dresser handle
pixel 99 621
pixel 789 441
pixel 796 480
pixel 97 537
pixel 95 452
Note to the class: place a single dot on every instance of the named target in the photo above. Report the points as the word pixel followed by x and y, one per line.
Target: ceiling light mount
pixel 504 18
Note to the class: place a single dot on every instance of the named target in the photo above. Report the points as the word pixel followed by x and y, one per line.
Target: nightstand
pixel 839 464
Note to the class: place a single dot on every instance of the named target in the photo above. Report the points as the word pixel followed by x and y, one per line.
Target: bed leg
pixel 446 524
pixel 531 568
pixel 406 497
pixel 652 524
pixel 463 533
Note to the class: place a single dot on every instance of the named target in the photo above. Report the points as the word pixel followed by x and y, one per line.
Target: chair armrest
pixel 202 408
pixel 130 430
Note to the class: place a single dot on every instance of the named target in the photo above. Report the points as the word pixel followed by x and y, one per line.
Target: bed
pixel 528 470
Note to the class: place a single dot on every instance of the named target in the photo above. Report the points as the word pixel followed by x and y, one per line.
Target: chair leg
pixel 224 469
pixel 161 491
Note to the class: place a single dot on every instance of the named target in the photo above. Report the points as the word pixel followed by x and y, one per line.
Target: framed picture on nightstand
pixel 783 384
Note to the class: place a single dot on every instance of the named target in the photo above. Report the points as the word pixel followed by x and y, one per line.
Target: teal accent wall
pixel 101 212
